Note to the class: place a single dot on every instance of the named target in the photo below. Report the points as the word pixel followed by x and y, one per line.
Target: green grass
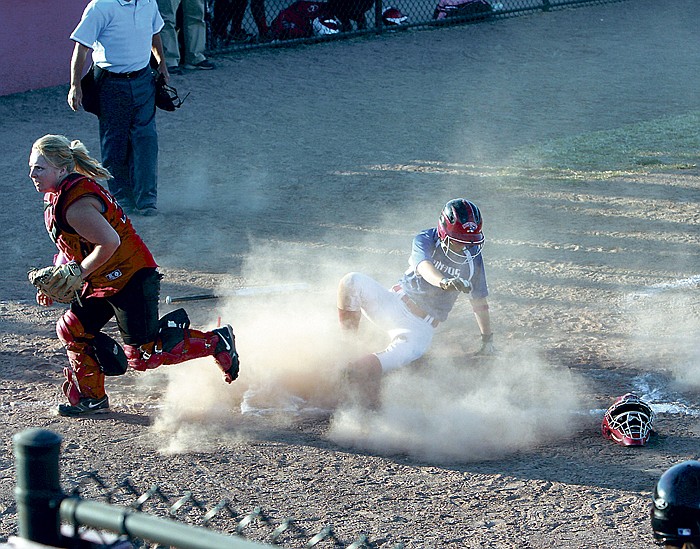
pixel 669 143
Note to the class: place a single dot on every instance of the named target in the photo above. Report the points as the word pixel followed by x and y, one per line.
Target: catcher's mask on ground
pixel 628 421
pixel 459 230
pixel 675 512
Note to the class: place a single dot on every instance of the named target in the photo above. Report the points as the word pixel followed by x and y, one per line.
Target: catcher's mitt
pixel 61 283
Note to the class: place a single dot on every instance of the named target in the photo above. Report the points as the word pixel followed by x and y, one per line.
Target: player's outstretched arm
pixel 480 306
pixel 429 273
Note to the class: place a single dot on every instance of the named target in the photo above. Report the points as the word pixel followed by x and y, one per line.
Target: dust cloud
pixel 292 354
pixel 665 324
pixel 473 410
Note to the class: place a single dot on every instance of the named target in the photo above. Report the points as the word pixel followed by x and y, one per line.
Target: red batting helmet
pixel 628 421
pixel 459 230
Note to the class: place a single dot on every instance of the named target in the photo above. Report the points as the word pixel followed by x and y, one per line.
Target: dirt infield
pixel 575 131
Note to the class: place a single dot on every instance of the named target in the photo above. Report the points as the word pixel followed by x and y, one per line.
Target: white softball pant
pixel 410 336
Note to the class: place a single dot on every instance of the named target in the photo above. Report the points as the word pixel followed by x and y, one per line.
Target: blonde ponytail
pixel 86 164
pixel 72 155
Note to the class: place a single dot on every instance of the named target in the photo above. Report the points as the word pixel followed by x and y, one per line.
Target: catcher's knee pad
pixel 70 330
pixel 110 355
pixel 149 355
pixel 174 319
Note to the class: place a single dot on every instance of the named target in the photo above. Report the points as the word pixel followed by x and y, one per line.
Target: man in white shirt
pixel 122 35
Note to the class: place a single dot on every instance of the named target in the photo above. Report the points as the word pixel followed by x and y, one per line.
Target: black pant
pixel 232 11
pixel 135 308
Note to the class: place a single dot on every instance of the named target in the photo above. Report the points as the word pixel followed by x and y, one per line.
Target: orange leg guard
pixel 84 377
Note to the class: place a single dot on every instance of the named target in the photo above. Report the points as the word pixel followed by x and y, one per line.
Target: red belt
pixel 415 309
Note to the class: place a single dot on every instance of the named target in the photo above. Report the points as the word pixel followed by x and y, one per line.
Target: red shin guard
pixel 84 377
pixel 191 344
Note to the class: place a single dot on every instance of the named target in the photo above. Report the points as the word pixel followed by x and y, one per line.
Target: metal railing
pixel 42 506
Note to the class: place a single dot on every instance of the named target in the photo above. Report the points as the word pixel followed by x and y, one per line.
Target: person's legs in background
pixel 257 10
pixel 168 11
pixel 194 29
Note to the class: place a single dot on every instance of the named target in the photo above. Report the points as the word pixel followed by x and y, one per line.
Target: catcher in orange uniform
pixel 104 270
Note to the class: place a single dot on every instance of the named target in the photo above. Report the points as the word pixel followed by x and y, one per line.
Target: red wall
pixel 35 48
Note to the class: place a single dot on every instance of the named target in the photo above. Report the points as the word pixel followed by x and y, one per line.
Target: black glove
pixel 456 284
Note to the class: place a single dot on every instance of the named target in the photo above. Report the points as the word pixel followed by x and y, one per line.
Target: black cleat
pixel 85 407
pixel 225 353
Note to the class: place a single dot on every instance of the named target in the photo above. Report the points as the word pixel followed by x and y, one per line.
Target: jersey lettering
pixel 447 269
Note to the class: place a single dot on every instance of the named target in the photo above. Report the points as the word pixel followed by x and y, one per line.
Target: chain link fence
pixel 149 519
pixel 240 24
pixel 256 523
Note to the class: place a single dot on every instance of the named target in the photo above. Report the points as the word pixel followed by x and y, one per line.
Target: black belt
pixel 414 308
pixel 127 75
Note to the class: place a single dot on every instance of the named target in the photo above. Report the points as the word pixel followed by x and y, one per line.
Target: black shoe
pixel 225 353
pixel 148 211
pixel 85 407
pixel 241 36
pixel 205 65
pixel 176 70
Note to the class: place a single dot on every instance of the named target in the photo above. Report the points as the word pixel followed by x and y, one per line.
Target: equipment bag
pixel 296 20
pixel 470 10
pixel 91 91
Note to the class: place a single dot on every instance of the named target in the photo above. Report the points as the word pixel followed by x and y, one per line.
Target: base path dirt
pixel 575 131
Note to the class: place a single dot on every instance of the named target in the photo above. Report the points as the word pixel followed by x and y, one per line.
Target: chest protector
pixel 131 255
